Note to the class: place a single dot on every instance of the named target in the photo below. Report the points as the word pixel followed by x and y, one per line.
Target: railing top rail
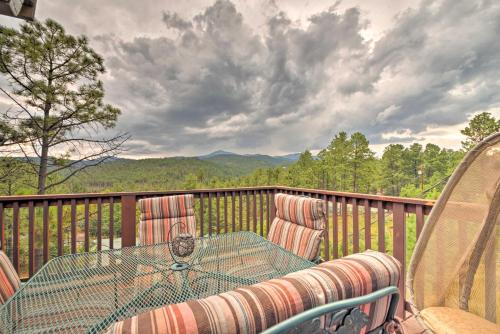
pixel 394 199
pixel 120 194
pixel 52 197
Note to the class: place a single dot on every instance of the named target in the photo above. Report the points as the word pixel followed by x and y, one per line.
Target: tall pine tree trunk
pixel 44 155
pixel 42 169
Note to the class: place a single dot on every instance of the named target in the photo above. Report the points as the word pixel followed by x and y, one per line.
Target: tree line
pixel 348 164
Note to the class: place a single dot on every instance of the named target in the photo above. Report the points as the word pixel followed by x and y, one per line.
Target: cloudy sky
pixel 282 76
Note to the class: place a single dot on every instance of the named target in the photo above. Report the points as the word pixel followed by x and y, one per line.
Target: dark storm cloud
pixel 173 20
pixel 212 78
pixel 445 56
pixel 224 83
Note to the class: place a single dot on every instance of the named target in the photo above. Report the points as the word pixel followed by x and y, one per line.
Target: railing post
pixel 128 203
pixel 399 250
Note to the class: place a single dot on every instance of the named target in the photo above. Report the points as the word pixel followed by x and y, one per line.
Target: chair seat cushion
pixel 446 320
pixel 252 309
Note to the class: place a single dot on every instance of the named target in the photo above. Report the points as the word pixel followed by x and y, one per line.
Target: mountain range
pixel 171 172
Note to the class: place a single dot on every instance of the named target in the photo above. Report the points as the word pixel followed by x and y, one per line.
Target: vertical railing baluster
pixel 240 209
pixel 86 243
pixel 399 249
pixel 268 211
pixel 254 199
pixel 45 214
pixel 99 224
pixel 202 214
pixel 60 238
pixel 419 222
pixel 233 211
pixel 345 229
pixel 15 235
pixel 273 208
pixel 217 203
pixel 419 216
pixel 355 226
pixel 2 230
pixel 335 219
pixel 368 224
pixel 326 238
pixel 31 238
pixel 210 223
pixel 73 226
pixel 111 230
pixel 249 218
pixel 261 212
pixel 381 226
pixel 225 213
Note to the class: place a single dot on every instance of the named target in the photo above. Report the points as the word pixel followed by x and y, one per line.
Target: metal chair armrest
pixel 337 307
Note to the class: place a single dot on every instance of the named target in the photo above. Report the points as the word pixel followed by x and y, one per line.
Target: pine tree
pixel 58 101
pixel 480 127
pixel 360 161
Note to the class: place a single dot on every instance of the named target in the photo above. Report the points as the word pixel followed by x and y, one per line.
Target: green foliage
pixel 393 172
pixel 8 135
pixel 14 175
pixel 480 127
pixel 360 161
pixel 54 82
pixel 245 164
pixel 348 164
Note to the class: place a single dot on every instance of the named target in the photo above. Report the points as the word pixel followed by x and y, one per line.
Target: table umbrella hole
pixel 179 266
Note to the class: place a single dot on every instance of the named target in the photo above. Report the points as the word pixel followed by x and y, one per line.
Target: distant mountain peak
pixel 216 154
pixel 288 158
pixel 292 156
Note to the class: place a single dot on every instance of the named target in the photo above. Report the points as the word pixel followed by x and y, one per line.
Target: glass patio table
pixel 85 293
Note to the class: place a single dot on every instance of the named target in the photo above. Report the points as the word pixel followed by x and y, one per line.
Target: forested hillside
pixel 144 174
pixel 168 173
pixel 346 164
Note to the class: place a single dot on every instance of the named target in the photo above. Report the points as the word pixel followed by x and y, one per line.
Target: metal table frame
pixel 87 292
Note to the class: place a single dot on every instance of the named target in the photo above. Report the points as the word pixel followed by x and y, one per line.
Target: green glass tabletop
pixel 85 293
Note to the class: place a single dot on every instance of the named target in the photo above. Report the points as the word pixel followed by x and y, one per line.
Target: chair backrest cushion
pixel 254 308
pixel 299 224
pixel 300 240
pixel 159 214
pixel 305 211
pixel 9 280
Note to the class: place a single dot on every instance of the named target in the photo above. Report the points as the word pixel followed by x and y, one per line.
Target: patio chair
pixel 299 224
pixel 159 214
pixel 9 280
pixel 454 273
pixel 255 308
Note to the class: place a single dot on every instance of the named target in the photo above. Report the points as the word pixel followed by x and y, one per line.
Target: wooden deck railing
pixel 34 229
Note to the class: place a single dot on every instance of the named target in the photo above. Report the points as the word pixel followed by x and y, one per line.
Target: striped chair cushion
pixel 299 224
pixel 257 307
pixel 160 213
pixel 9 280
pixel 300 210
pixel 299 240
